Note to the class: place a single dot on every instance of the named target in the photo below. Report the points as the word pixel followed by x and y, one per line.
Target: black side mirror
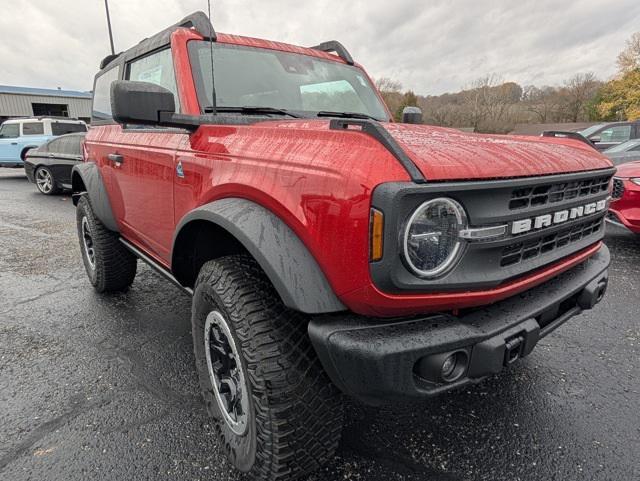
pixel 141 103
pixel 411 115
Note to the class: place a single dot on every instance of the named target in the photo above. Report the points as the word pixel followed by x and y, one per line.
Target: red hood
pixel 629 169
pixel 449 154
pixel 446 154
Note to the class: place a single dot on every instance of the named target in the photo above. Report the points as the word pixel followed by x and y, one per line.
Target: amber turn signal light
pixel 377 229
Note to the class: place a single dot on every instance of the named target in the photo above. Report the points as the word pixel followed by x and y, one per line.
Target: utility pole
pixel 106 7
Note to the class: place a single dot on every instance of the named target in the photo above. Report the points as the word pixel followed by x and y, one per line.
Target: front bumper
pixel 625 211
pixel 378 360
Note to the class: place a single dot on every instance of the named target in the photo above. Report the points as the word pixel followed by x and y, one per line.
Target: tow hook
pixel 513 349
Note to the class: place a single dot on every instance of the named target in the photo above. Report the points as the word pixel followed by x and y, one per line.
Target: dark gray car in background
pixel 607 135
pixel 49 166
pixel 625 152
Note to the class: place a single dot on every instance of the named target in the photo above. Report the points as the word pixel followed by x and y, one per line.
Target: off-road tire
pixel 295 413
pixel 114 267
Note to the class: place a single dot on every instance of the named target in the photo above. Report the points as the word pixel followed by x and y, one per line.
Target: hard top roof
pixel 200 22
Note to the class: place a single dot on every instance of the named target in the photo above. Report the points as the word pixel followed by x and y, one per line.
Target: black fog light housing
pixel 445 367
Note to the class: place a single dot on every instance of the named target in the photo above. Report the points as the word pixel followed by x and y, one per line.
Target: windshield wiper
pixel 347 115
pixel 252 110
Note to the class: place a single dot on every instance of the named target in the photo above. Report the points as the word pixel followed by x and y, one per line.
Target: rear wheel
pixel 277 414
pixel 109 265
pixel 45 181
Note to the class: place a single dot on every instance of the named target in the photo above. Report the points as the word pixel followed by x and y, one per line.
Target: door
pixel 9 147
pixel 140 163
pixel 62 154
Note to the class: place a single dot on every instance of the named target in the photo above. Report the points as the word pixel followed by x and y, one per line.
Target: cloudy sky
pixel 429 46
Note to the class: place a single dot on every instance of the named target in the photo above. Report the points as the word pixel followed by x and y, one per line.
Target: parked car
pixel 328 250
pixel 607 135
pixel 625 152
pixel 49 166
pixel 624 210
pixel 18 136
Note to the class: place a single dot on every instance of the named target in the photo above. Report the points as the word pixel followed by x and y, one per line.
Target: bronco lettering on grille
pixel 546 220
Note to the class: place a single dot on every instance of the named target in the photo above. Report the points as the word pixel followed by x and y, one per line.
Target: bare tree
pixel 391 92
pixel 543 102
pixel 577 93
pixel 490 104
pixel 386 84
pixel 629 58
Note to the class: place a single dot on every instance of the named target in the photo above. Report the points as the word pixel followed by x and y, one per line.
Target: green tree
pixel 619 98
pixel 409 99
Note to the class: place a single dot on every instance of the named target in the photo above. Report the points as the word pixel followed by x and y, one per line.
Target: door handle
pixel 51 155
pixel 14 143
pixel 117 158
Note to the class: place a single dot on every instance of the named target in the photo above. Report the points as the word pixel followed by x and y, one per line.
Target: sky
pixel 431 47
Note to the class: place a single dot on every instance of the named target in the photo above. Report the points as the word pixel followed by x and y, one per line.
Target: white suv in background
pixel 17 136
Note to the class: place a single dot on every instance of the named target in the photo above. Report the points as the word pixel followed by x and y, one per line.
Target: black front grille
pixel 618 188
pixel 530 249
pixel 534 196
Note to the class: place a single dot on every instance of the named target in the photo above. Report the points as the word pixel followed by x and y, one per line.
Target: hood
pixel 449 154
pixel 630 169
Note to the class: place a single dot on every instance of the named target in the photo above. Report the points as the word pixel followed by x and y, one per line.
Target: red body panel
pixel 627 208
pixel 318 181
pixel 447 154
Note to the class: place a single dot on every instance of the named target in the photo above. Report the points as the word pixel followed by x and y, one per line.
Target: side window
pixel 32 128
pixel 73 146
pixel 156 68
pixel 101 109
pixel 61 128
pixel 9 131
pixel 617 133
pixel 635 149
pixel 67 145
pixel 55 146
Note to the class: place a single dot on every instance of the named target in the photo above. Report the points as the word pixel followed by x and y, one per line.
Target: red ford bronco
pixel 329 250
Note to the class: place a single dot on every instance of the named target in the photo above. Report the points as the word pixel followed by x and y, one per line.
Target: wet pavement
pixel 103 386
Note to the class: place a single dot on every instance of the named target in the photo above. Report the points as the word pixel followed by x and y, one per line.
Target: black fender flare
pixel 281 254
pixel 94 188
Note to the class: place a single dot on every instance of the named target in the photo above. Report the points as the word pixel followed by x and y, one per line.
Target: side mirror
pixel 141 103
pixel 411 115
pixel 595 138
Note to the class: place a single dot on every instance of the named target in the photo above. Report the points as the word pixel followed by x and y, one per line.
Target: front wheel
pixel 45 182
pixel 277 414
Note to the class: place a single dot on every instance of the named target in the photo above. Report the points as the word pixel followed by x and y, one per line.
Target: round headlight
pixel 432 242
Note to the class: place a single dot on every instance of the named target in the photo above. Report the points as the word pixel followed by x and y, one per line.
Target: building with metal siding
pixel 27 102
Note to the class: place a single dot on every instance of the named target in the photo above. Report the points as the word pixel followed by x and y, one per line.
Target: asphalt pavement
pixel 103 386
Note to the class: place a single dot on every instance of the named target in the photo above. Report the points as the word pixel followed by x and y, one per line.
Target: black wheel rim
pixel 226 373
pixel 87 242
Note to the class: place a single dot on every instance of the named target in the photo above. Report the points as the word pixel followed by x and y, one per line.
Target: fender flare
pixel 94 188
pixel 287 262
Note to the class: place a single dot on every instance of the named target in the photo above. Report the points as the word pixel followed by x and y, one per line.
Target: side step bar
pixel 155 266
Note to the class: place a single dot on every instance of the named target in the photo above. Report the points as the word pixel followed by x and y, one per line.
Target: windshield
pixel 624 146
pixel 590 130
pixel 257 77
